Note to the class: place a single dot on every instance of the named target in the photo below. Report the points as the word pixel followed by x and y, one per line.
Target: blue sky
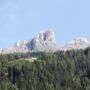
pixel 22 19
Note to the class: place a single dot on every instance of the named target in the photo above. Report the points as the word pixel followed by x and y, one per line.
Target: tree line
pixel 59 70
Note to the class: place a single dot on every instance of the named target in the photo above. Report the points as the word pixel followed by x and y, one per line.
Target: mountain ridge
pixel 46 41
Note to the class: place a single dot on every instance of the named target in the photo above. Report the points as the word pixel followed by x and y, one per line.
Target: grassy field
pixel 21 61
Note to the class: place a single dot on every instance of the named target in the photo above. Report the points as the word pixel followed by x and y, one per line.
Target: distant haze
pixel 22 19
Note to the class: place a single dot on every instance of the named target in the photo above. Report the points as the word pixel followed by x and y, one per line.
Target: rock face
pixel 42 41
pixel 20 45
pixel 45 41
pixel 78 43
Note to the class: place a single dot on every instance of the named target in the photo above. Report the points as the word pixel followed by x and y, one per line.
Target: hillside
pixel 59 70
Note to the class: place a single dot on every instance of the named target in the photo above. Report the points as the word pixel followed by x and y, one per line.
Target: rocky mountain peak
pixel 42 40
pixel 49 35
pixel 45 41
pixel 20 45
pixel 77 43
pixel 79 40
pixel 82 39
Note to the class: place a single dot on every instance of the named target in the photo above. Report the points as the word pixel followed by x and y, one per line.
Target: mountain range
pixel 46 41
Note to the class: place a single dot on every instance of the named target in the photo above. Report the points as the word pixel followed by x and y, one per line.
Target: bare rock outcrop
pixel 77 43
pixel 20 45
pixel 43 40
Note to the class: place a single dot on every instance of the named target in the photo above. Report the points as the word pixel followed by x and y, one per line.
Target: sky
pixel 22 19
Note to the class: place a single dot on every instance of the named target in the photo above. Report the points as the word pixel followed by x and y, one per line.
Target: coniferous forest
pixel 59 70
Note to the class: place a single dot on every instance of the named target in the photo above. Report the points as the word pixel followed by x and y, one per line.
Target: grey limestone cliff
pixel 46 41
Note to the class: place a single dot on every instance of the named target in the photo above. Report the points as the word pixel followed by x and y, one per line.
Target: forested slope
pixel 60 70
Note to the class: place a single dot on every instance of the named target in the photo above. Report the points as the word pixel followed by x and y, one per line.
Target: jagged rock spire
pixel 45 41
pixel 42 40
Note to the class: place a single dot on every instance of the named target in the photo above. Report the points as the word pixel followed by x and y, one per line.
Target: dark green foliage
pixel 60 70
